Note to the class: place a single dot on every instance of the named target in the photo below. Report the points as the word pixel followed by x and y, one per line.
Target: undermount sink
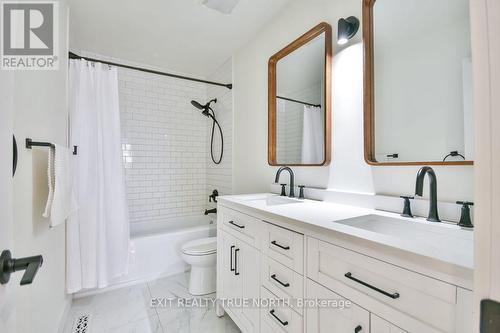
pixel 411 231
pixel 275 200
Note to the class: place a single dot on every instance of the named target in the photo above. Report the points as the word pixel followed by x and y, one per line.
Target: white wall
pixel 40 113
pixel 348 171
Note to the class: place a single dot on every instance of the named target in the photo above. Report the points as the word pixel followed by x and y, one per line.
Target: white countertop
pixel 441 241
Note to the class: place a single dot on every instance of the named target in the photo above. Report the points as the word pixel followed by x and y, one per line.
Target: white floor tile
pixel 129 310
pixel 196 321
pixel 146 325
pixel 114 308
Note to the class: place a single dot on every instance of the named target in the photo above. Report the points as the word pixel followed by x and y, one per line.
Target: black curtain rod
pixel 75 56
pixel 300 102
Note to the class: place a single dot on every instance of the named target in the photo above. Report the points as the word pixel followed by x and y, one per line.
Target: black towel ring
pixel 453 154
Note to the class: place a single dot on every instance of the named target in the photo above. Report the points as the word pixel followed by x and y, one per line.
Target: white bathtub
pixel 155 248
pixel 156 245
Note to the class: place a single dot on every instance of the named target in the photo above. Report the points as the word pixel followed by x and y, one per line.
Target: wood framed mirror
pixel 299 100
pixel 417 82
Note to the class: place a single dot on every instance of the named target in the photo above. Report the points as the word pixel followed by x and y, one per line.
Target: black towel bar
pixel 30 144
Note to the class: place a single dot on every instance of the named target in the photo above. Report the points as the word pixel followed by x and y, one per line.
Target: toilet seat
pixel 199 247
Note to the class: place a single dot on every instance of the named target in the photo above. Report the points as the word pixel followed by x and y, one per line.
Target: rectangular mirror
pixel 299 100
pixel 418 82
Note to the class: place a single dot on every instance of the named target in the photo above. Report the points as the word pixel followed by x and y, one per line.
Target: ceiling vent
pixel 222 6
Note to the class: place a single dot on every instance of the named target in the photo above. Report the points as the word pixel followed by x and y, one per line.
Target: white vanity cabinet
pixel 238 279
pixel 336 314
pixel 379 325
pixel 413 301
pixel 270 258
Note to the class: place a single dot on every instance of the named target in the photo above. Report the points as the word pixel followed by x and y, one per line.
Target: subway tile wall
pixel 219 176
pixel 164 141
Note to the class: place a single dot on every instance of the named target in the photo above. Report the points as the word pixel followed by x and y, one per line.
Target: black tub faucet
pixel 419 188
pixel 211 211
pixel 277 179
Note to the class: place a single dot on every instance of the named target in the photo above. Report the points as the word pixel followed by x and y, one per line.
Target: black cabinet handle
pixel 358 329
pixel 280 246
pixel 237 225
pixel 276 279
pixel 231 257
pixel 284 323
pixel 236 262
pixel 349 276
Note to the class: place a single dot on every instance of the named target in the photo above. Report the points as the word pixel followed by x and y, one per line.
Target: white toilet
pixel 201 254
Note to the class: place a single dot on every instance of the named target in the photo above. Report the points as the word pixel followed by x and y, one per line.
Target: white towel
pixel 61 201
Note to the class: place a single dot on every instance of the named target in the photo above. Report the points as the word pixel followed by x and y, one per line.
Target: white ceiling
pixel 177 35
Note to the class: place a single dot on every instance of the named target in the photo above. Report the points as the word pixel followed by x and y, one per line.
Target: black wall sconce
pixel 347 28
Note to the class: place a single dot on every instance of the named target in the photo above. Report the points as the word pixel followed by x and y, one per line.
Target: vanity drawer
pixel 281 280
pixel 430 301
pixel 278 317
pixel 284 246
pixel 240 225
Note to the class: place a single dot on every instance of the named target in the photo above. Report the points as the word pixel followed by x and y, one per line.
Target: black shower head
pixel 205 107
pixel 198 105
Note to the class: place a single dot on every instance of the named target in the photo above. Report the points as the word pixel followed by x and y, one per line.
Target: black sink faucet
pixel 419 188
pixel 277 179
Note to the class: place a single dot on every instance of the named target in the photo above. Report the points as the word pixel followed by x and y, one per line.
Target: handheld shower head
pixel 205 107
pixel 206 112
pixel 198 105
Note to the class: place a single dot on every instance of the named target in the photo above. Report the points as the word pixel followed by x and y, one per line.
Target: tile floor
pixel 129 310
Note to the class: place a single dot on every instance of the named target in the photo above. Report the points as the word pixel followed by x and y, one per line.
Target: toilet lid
pixel 201 246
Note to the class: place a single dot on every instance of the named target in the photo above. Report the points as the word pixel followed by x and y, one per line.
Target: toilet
pixel 201 254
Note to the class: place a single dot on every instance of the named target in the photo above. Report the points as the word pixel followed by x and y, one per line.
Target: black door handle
pixel 284 323
pixel 231 257
pixel 393 296
pixel 277 280
pixel 358 329
pixel 236 262
pixel 30 265
pixel 14 155
pixel 280 246
pixel 237 225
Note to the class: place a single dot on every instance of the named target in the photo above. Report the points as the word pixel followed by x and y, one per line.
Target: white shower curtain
pixel 98 235
pixel 313 136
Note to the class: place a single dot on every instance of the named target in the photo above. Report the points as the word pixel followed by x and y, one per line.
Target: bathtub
pixel 155 248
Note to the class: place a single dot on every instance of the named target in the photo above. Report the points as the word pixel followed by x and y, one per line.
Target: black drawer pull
pixel 280 246
pixel 393 296
pixel 236 262
pixel 358 329
pixel 276 279
pixel 237 225
pixel 231 258
pixel 284 323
